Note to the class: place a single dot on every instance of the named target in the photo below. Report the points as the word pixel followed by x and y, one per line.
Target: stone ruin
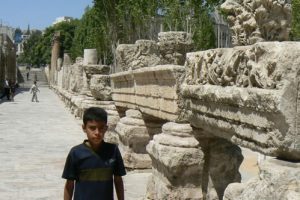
pixel 259 20
pixel 8 68
pixel 187 121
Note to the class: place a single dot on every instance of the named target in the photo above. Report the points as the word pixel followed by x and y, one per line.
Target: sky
pixel 39 14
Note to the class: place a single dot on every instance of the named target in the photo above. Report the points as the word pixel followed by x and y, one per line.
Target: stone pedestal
pixel 133 137
pixel 177 164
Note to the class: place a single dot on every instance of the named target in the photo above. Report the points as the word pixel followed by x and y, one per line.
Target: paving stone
pixel 35 139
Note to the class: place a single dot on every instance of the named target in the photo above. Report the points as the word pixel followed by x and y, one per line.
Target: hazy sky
pixel 39 14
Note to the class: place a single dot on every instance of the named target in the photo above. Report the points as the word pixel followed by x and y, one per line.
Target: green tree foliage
pixel 125 21
pixel 295 33
pixel 37 49
pixel 31 55
pixel 111 22
pixel 90 33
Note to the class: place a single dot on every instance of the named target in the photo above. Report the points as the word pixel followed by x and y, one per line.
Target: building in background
pixel 62 19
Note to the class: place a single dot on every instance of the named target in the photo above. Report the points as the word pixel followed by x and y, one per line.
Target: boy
pixel 93 166
pixel 34 89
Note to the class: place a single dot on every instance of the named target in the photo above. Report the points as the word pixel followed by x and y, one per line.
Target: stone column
pixel 54 56
pixel 177 164
pixel 90 57
pixel 133 137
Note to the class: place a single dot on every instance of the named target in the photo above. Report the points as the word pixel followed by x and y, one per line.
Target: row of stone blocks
pixel 220 99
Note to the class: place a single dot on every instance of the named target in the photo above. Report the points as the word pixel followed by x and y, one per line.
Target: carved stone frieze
pixel 255 66
pixel 260 20
pixel 248 95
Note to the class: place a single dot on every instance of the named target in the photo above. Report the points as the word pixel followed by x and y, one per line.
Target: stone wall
pixel 7 60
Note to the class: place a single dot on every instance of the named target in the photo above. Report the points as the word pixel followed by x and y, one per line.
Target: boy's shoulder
pixel 111 146
pixel 77 147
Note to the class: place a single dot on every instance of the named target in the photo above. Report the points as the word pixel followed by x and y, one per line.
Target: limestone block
pixel 96 69
pixel 100 87
pixel 260 20
pixel 154 90
pixel 75 77
pixel 144 53
pixel 248 95
pixel 177 164
pixel 173 47
pixel 278 180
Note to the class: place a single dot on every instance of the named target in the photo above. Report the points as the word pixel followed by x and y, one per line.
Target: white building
pixel 62 19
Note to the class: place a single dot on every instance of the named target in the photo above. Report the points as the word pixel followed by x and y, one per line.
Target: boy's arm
pixel 119 187
pixel 68 190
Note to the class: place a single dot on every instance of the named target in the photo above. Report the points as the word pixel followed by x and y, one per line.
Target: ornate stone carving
pixel 260 20
pixel 247 95
pixel 254 66
pixel 173 47
pixel 170 49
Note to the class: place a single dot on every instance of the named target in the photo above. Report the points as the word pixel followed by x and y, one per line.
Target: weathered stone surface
pixel 278 180
pixel 223 160
pixel 173 47
pixel 144 53
pixel 73 77
pixel 260 20
pixel 248 95
pixel 90 57
pixel 176 168
pixel 100 87
pixel 133 137
pixel 88 71
pixel 67 59
pixel 96 69
pixel 153 89
pixel 170 49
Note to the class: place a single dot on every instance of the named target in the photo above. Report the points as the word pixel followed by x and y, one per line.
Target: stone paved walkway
pixel 34 141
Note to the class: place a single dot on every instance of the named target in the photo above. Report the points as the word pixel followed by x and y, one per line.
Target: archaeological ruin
pixel 8 68
pixel 186 115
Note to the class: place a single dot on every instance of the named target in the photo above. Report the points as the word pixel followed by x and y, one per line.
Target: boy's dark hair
pixel 94 113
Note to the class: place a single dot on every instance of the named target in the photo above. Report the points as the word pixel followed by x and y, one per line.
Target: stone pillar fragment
pixel 278 180
pixel 177 164
pixel 90 57
pixel 133 137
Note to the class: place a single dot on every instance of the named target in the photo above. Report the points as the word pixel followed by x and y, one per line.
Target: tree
pixel 30 55
pixel 295 32
pixel 37 49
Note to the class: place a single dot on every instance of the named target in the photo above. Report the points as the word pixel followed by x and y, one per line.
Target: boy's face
pixel 95 131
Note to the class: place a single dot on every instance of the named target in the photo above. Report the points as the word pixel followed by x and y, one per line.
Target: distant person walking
pixel 34 89
pixel 6 90
pixel 27 75
pixel 13 86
